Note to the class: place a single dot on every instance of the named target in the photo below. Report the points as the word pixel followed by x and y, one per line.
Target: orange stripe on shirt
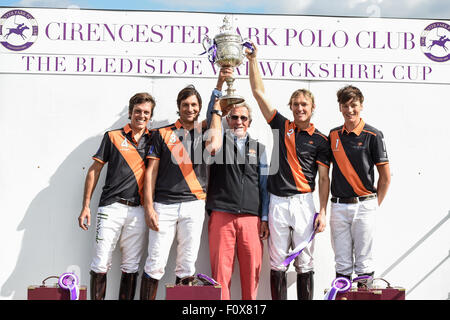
pixel 372 133
pixel 131 156
pixel 322 164
pixel 272 116
pixel 345 166
pixel 181 156
pixel 98 160
pixel 297 171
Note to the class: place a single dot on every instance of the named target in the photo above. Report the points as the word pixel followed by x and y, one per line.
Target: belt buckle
pixel 128 203
pixel 350 200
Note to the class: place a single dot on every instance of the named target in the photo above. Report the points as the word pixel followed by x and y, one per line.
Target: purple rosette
pixel 340 284
pixel 70 281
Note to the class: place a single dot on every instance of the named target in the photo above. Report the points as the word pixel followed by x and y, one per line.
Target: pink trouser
pixel 228 232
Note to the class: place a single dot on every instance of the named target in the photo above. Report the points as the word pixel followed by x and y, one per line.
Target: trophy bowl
pixel 226 50
pixel 229 50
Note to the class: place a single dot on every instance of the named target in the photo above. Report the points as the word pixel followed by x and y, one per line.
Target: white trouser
pixel 290 221
pixel 185 220
pixel 114 221
pixel 352 230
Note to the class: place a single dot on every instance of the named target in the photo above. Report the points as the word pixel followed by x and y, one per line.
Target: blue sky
pixel 427 9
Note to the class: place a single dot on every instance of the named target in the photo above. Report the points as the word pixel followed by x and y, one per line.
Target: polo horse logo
pixel 440 42
pixel 19 30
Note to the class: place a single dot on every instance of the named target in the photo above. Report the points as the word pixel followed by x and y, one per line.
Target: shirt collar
pixel 178 124
pixel 359 128
pixel 310 130
pixel 127 129
pixel 197 125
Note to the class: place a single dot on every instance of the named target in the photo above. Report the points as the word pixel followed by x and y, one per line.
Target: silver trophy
pixel 227 50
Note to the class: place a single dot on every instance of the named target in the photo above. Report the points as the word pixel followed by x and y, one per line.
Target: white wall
pixel 51 125
pixel 52 122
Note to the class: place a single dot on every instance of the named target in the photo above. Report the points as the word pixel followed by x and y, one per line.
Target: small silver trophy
pixel 227 50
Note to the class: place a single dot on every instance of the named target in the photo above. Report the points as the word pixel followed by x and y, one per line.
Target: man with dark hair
pixel 357 148
pixel 301 152
pixel 174 194
pixel 120 212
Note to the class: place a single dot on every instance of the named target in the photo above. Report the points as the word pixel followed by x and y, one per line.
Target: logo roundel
pixel 290 131
pixel 435 41
pixel 18 30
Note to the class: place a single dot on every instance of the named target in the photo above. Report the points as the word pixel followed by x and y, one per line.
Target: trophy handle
pixel 207 43
pixel 210 48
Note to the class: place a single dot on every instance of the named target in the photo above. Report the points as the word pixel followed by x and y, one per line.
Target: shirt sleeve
pixel 378 149
pixel 277 121
pixel 264 194
pixel 215 94
pixel 154 151
pixel 324 153
pixel 104 151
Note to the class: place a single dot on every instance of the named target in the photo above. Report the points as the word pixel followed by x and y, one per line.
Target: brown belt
pixel 128 203
pixel 354 199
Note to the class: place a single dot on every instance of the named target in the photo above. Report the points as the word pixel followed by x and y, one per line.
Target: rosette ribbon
pixel 363 279
pixel 207 280
pixel 211 50
pixel 70 281
pixel 301 246
pixel 340 284
pixel 248 45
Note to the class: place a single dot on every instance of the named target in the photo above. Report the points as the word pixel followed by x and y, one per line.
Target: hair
pixel 306 93
pixel 244 105
pixel 186 93
pixel 140 98
pixel 348 93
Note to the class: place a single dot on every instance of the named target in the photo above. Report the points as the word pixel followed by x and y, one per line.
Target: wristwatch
pixel 214 111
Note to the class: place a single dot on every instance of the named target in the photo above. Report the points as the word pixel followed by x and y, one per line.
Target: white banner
pixel 169 44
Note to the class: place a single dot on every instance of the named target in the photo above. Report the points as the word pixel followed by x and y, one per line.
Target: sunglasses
pixel 243 118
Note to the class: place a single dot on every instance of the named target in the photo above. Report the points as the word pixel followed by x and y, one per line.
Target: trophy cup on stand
pixel 227 50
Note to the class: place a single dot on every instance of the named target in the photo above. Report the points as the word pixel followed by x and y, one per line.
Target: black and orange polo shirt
pixel 182 173
pixel 298 155
pixel 354 155
pixel 126 165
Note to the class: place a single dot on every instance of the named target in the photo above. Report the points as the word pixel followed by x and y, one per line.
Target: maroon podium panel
pixel 53 292
pixel 372 294
pixel 182 292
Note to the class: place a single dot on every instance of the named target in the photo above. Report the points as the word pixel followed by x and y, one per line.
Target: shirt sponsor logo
pixel 290 132
pixel 251 152
pixel 310 144
pixel 336 145
pixel 359 145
